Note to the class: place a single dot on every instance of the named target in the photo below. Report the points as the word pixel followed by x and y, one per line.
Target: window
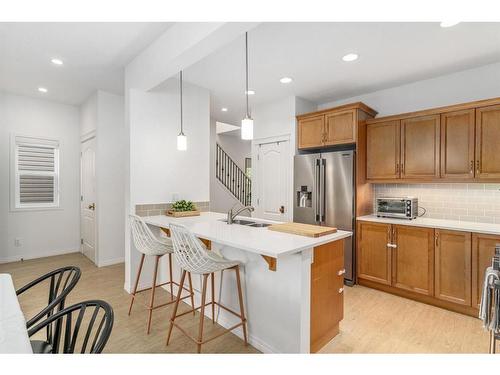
pixel 35 173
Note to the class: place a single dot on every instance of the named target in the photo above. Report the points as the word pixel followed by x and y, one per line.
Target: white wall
pixel 157 168
pixel 464 86
pixel 103 113
pixel 43 232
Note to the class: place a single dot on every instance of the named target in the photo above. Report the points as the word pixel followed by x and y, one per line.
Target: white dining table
pixel 13 333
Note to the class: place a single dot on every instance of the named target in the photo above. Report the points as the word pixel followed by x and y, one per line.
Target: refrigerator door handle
pixel 323 190
pixel 317 190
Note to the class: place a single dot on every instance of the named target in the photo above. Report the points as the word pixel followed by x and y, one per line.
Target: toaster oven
pixel 397 207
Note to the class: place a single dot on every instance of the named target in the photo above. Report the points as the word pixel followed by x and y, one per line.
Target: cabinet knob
pixel 341 290
pixel 341 272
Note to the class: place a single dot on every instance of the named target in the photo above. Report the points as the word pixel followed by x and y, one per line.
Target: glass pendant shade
pixel 247 128
pixel 181 142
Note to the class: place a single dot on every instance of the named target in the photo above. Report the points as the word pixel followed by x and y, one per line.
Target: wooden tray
pixel 182 213
pixel 300 229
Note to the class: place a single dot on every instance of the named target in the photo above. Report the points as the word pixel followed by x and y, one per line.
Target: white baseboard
pixel 18 257
pixel 110 262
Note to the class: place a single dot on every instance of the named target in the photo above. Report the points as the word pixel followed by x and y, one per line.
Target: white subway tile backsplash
pixel 453 201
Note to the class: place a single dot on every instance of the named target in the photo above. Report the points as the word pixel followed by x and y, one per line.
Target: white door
pixel 273 168
pixel 88 195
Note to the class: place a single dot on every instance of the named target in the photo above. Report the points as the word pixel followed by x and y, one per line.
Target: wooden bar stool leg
pixel 242 309
pixel 191 291
pixel 213 296
pixel 170 273
pixel 202 311
pixel 153 289
pixel 136 283
pixel 176 305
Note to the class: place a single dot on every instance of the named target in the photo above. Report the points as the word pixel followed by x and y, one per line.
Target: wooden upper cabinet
pixel 483 249
pixel 311 131
pixel 452 276
pixel 487 142
pixel 340 127
pixel 373 254
pixel 420 147
pixel 383 150
pixel 457 144
pixel 413 259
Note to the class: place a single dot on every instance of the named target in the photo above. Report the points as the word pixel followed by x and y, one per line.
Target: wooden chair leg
pixel 176 305
pixel 191 292
pixel 153 289
pixel 242 309
pixel 136 283
pixel 213 296
pixel 202 311
pixel 170 273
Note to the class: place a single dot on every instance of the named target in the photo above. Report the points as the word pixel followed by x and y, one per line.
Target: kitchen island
pixel 292 285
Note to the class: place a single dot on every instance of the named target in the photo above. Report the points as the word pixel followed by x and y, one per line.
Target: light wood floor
pixel 129 332
pixel 374 321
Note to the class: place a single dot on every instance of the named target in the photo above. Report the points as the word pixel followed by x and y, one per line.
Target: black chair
pixel 61 283
pixel 87 314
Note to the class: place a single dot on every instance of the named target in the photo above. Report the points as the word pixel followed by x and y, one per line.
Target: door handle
pixel 471 166
pixel 92 207
pixel 317 192
pixel 341 272
pixel 323 188
pixel 282 209
pixel 341 290
pixel 391 245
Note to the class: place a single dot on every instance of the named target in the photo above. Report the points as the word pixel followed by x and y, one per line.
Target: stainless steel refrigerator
pixel 324 195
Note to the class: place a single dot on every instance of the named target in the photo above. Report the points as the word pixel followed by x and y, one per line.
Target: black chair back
pixel 86 327
pixel 62 282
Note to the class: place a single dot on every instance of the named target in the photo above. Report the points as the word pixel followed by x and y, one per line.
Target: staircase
pixel 232 177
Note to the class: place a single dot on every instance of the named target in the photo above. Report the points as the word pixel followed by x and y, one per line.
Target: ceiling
pixel 390 54
pixel 94 56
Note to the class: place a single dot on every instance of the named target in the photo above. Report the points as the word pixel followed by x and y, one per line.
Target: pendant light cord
pixel 180 73
pixel 246 70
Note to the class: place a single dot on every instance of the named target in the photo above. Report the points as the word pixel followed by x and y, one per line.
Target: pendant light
pixel 181 138
pixel 247 122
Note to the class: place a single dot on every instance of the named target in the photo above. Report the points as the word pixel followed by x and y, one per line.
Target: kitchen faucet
pixel 231 215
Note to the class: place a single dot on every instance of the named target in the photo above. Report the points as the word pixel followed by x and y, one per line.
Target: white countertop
pixel 209 225
pixel 463 226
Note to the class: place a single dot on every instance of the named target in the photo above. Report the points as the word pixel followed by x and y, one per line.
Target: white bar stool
pixel 194 259
pixel 149 245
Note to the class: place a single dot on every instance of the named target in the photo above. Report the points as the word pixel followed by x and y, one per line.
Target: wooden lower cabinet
pixel 413 259
pixel 483 249
pixel 327 293
pixel 452 278
pixel 440 267
pixel 374 256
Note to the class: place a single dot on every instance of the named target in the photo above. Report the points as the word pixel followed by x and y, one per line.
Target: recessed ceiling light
pixel 286 80
pixel 224 109
pixel 250 92
pixel 448 23
pixel 56 61
pixel 350 57
pixel 43 89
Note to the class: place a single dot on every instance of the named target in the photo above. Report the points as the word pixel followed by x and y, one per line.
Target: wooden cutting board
pixel 300 229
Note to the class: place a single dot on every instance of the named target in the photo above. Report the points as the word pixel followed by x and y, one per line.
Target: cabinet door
pixel 487 141
pixel 452 276
pixel 373 254
pixel 413 259
pixel 483 249
pixel 311 132
pixel 420 147
pixel 327 293
pixel 340 127
pixel 457 144
pixel 382 150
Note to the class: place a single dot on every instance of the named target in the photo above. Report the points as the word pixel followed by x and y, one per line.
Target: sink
pixel 259 225
pixel 248 223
